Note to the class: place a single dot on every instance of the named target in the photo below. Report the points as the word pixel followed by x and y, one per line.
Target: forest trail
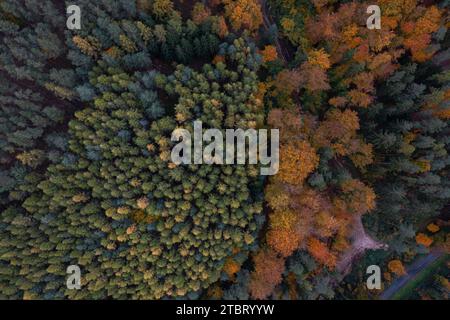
pixel 268 21
pixel 443 59
pixel 361 242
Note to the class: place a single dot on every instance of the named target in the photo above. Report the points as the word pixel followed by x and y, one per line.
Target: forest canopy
pixel 87 179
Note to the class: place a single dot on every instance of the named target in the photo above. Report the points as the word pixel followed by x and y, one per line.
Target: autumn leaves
pixel 316 103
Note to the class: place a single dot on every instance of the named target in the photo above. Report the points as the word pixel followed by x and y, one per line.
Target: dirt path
pixel 443 59
pixel 361 242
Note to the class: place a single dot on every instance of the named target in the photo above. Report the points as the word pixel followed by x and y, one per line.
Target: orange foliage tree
pixel 288 81
pixel 321 253
pixel 243 14
pixel 283 235
pixel 407 27
pixel 396 266
pixel 266 274
pixel 423 239
pixel 269 53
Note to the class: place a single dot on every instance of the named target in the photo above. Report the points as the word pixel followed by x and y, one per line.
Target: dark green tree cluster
pixel 36 98
pixel 410 135
pixel 123 34
pixel 35 93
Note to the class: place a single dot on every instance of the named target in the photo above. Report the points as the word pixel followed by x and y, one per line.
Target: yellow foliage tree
pixel 319 58
pixel 297 160
pixel 89 45
pixel 432 227
pixel 162 8
pixel 243 14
